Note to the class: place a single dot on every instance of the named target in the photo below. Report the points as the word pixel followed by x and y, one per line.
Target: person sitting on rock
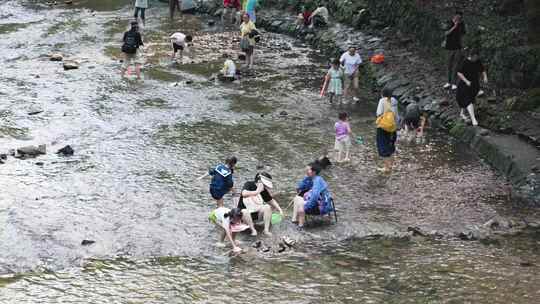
pixel 303 19
pixel 266 179
pixel 313 196
pixel 252 202
pixel 319 18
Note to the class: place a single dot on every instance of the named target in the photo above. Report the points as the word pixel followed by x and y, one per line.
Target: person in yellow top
pixel 247 41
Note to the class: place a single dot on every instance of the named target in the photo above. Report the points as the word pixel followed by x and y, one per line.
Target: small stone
pixel 342 263
pixel 3 156
pixel 484 132
pixel 70 65
pixel 68 2
pixel 416 231
pixel 35 112
pixel 39 164
pixel 87 242
pixel 283 113
pixel 66 151
pixel 56 57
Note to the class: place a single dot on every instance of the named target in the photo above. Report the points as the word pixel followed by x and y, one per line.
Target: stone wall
pixel 494 25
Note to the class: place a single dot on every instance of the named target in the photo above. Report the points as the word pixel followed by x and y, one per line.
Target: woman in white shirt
pixel 351 60
pixel 386 141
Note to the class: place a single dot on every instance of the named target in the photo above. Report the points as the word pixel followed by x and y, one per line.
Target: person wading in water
pixel 174 5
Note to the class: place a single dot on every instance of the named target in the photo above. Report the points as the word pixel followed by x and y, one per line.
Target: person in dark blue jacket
pixel 313 196
pixel 222 179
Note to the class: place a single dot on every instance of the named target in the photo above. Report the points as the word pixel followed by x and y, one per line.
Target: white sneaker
pixel 475 123
pixel 446 86
pixel 463 116
pixel 454 87
pixel 480 93
pixel 355 99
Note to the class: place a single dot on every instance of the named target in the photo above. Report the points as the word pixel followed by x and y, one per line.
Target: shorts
pixel 249 50
pixel 130 59
pixel 343 144
pixel 177 47
pixel 348 79
pixel 217 194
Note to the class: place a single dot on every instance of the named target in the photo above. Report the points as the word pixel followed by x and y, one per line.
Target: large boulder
pixel 31 151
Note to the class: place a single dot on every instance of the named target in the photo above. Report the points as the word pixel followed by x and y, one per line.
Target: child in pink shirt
pixel 343 137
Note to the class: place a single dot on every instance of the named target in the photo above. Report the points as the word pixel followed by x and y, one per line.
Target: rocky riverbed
pixel 123 218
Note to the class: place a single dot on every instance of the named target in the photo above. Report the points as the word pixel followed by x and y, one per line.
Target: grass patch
pixel 276 140
pixel 202 69
pixel 12 27
pixel 243 104
pixel 16 133
pixel 72 25
pixel 113 51
pixel 159 74
pixel 153 102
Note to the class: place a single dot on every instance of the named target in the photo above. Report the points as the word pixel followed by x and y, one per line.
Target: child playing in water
pixel 343 137
pixel 414 121
pixel 222 179
pixel 230 221
pixel 228 73
pixel 334 79
pixel 179 44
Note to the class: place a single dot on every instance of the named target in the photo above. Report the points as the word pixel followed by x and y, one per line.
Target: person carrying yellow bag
pixel 387 122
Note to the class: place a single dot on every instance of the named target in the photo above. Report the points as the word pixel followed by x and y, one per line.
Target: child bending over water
pixel 230 221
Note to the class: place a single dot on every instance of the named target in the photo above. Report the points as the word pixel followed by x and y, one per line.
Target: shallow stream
pixel 140 145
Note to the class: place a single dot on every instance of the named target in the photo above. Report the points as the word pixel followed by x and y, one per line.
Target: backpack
pixel 387 121
pixel 130 43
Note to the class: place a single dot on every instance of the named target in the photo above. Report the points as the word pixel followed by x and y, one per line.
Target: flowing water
pixel 140 145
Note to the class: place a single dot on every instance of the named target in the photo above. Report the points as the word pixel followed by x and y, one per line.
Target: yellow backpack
pixel 387 121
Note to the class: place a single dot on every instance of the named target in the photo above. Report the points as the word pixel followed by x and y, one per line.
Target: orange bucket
pixel 377 59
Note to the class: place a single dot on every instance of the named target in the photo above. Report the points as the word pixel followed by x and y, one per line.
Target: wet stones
pixel 31 151
pixel 70 65
pixel 56 57
pixel 87 242
pixel 66 151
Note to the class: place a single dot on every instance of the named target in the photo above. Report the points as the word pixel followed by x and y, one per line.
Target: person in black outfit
pixel 454 45
pixel 469 84
pixel 132 40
